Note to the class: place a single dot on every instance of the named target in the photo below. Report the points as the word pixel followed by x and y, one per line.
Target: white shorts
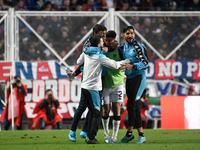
pixel 115 94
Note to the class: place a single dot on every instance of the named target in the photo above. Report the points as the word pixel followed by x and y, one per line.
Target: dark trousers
pixel 77 116
pixel 7 125
pixel 133 107
pixel 94 114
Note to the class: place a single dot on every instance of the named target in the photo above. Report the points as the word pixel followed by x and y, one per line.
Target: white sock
pixel 105 123
pixel 115 128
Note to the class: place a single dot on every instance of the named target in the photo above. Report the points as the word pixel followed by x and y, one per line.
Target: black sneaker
pixel 94 141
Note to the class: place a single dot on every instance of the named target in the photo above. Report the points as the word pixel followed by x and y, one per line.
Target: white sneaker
pixel 107 137
pixel 114 140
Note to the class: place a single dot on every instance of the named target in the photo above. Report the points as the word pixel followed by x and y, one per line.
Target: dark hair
pixel 111 34
pixel 95 40
pixel 97 28
pixel 105 29
pixel 48 90
pixel 17 76
pixel 127 28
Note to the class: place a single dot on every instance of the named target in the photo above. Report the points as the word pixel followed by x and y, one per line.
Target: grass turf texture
pixel 58 140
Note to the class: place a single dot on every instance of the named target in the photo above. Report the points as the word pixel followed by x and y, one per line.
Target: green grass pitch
pixel 58 140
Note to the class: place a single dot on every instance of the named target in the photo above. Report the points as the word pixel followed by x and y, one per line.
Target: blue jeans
pixel 77 116
pixel 43 124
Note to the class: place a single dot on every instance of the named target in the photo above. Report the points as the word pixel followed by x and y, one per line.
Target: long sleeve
pixel 78 70
pixel 56 103
pixel 42 104
pixel 23 90
pixel 105 61
pixel 80 60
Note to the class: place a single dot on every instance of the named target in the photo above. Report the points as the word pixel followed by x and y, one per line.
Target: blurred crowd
pixel 62 33
pixel 99 5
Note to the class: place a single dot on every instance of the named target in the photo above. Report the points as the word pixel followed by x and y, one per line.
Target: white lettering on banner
pixel 176 69
pixel 62 109
pixel 38 90
pixel 29 107
pixel 42 69
pixel 75 90
pixel 52 84
pixel 63 90
pixel 150 70
pixel 192 66
pixel 25 64
pixel 199 71
pixel 72 109
pixel 34 69
pixel 164 69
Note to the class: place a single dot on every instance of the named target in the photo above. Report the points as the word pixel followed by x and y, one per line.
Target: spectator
pixel 166 33
pixel 10 3
pixel 66 22
pixel 137 3
pixel 83 32
pixel 71 60
pixel 171 25
pixel 164 50
pixel 172 6
pixel 146 28
pixel 47 7
pixel 20 5
pixel 100 5
pixel 46 110
pixel 2 6
pixel 89 6
pixel 125 5
pixel 79 8
pixel 19 93
pixel 24 39
pixel 194 5
pixel 118 4
pixel 159 4
pixel 183 25
pixel 66 5
pixel 182 5
pixel 31 4
pixel 40 29
pixel 46 37
pixel 147 5
pixel 54 25
pixel 57 4
pixel 39 4
pixel 29 55
pixel 48 54
pixel 195 49
pixel 183 52
pixel 74 4
pixel 157 38
pixel 64 41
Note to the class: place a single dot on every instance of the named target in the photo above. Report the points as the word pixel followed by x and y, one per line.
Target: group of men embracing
pixel 102 64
